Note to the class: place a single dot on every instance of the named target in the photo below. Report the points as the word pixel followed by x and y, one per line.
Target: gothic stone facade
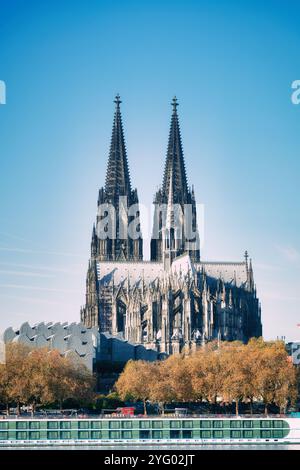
pixel 176 299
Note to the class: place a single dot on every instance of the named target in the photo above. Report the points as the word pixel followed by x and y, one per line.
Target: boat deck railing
pixel 140 416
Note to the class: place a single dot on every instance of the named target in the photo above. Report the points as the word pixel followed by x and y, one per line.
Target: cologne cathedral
pixel 176 300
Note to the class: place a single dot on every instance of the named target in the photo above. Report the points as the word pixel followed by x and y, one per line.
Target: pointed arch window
pixel 121 315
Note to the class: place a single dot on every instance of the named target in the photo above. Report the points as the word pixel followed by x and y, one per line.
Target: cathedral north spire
pixel 117 194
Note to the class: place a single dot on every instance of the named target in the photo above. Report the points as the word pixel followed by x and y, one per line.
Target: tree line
pixel 39 377
pixel 226 372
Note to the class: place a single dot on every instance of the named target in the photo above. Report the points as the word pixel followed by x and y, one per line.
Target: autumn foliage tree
pixel 208 373
pixel 42 377
pixel 168 381
pixel 228 372
pixel 276 376
pixel 136 381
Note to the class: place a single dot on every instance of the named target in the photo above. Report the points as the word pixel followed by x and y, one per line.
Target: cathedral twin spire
pixel 175 163
pixel 117 176
pixel 175 183
pixel 118 184
pixel 117 194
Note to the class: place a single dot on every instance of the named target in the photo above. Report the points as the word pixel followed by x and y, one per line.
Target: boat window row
pixel 145 424
pixel 144 434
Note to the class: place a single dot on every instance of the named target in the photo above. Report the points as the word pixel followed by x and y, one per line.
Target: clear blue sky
pixel 231 65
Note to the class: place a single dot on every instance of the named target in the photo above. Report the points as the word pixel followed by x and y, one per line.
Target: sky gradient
pixel 231 65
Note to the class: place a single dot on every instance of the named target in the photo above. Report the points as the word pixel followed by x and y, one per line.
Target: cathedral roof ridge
pixel 231 263
pixel 128 261
pixel 183 255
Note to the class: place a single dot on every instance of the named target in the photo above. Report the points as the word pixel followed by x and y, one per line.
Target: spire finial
pixel 117 101
pixel 174 104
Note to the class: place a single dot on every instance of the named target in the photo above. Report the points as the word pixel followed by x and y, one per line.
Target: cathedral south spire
pixel 175 162
pixel 182 198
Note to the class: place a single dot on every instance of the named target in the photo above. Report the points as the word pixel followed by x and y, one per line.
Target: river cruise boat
pixel 148 430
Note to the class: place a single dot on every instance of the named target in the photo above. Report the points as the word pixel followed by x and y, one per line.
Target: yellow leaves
pixel 275 375
pixel 229 372
pixel 41 376
pixel 135 380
